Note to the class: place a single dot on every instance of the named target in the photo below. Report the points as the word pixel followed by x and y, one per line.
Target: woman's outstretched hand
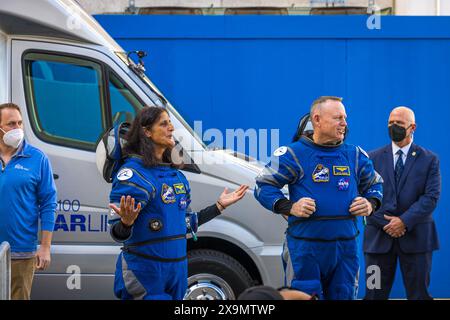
pixel 227 199
pixel 127 212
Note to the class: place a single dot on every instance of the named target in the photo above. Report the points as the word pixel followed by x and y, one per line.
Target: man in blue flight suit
pixel 330 183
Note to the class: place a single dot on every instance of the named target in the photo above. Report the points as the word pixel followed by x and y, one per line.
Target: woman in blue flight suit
pixel 153 261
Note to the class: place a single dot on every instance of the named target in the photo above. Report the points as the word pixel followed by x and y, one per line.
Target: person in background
pixel 27 197
pixel 403 228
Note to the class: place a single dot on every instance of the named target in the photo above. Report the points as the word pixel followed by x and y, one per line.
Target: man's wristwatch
pixel 374 204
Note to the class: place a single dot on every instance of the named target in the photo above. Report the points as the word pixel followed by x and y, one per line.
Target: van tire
pixel 203 262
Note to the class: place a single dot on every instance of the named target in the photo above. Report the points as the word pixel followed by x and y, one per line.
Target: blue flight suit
pixel 153 264
pixel 322 248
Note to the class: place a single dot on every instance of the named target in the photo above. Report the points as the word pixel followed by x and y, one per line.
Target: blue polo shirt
pixel 27 194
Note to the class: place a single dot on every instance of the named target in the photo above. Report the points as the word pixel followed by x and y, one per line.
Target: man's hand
pixel 127 212
pixel 43 257
pixel 395 228
pixel 43 253
pixel 303 208
pixel 360 207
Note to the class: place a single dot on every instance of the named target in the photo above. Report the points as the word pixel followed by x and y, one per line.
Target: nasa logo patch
pixel 183 203
pixel 343 184
pixel 321 174
pixel 124 174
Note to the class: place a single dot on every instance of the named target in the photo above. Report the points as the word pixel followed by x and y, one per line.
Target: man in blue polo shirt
pixel 27 195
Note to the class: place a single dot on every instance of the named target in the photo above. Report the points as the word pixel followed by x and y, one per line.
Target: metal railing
pixel 5 271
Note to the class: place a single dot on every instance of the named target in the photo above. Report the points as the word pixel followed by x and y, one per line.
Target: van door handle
pixel 55 176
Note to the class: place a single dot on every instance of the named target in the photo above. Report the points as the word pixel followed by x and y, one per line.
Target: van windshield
pixel 161 100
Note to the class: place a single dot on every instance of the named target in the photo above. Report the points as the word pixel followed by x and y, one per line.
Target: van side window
pixel 124 104
pixel 65 99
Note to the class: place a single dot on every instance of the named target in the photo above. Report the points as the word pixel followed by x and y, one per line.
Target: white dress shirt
pixel 405 151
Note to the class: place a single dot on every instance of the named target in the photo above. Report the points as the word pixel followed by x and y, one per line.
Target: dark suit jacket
pixel 414 201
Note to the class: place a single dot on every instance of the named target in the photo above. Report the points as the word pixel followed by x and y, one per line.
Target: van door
pixel 3 72
pixel 69 95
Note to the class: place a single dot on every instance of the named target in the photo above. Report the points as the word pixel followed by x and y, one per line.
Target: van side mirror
pixel 138 68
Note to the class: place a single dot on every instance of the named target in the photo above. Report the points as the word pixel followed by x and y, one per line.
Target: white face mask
pixel 13 138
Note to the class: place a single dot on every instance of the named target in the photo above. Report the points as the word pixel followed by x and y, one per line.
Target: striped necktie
pixel 399 166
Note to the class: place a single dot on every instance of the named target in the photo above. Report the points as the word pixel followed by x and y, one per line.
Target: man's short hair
pixel 8 106
pixel 321 100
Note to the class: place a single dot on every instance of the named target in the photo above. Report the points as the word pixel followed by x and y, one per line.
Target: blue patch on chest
pixel 183 203
pixel 167 194
pixel 343 184
pixel 321 174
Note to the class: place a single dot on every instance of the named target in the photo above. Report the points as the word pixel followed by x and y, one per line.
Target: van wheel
pixel 214 275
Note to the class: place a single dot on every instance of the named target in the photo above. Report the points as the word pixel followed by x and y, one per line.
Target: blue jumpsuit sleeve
pixel 370 183
pixel 283 168
pixel 130 182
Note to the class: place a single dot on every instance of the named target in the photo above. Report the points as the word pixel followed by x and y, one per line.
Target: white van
pixel 72 81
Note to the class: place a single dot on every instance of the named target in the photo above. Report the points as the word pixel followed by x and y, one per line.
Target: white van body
pixel 44 46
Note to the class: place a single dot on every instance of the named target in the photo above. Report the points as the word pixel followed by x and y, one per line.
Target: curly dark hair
pixel 139 144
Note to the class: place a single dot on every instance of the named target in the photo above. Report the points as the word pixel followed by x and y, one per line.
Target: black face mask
pixel 397 133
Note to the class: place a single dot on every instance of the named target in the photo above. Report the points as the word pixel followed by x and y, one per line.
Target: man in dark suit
pixel 403 228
